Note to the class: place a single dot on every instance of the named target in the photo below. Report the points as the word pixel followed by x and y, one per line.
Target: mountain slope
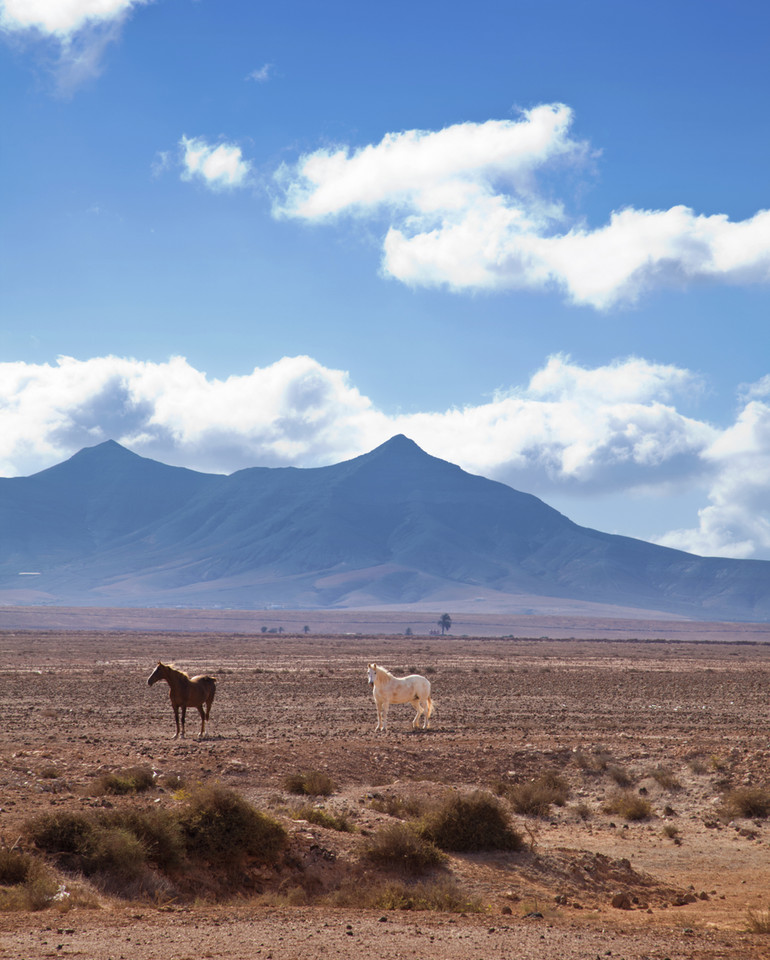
pixel 392 526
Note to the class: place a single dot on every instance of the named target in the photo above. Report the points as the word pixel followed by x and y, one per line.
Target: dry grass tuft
pixel 665 778
pixel 322 818
pixel 123 782
pixel 443 895
pixel 749 802
pixel 310 783
pixel 405 808
pixel 758 921
pixel 535 797
pixel 628 805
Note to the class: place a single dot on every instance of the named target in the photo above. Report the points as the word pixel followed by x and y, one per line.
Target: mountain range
pixel 394 527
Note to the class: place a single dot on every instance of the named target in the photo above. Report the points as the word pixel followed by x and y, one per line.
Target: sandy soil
pixel 76 704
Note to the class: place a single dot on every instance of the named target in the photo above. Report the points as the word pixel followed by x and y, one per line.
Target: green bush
pixel 399 847
pixel 469 823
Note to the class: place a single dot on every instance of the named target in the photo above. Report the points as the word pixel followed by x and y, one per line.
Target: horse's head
pixel 371 673
pixel 157 674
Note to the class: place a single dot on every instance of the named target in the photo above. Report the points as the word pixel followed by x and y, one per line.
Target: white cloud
pixel 261 75
pixel 736 522
pixel 81 30
pixel 461 207
pixel 61 17
pixel 607 430
pixel 219 167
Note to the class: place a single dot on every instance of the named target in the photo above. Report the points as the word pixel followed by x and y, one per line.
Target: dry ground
pixel 683 722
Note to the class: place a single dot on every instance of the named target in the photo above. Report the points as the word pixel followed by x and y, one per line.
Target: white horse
pixel 388 689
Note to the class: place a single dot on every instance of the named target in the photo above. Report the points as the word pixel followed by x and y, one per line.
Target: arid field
pixel 652 843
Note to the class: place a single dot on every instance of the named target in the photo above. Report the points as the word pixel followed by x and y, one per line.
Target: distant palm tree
pixel 445 622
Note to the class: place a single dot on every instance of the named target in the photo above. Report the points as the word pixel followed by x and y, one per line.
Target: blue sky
pixel 533 236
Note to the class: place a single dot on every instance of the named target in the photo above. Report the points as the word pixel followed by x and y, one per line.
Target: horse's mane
pixel 176 669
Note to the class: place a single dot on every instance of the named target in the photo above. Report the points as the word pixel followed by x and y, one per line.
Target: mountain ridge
pixel 391 526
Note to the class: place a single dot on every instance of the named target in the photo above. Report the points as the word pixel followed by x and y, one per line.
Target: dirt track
pixel 506 711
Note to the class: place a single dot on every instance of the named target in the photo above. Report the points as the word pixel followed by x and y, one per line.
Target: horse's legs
pixel 176 717
pixel 203 720
pixel 384 715
pixel 184 714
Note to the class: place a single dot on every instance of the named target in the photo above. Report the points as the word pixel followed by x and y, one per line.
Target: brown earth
pixel 682 722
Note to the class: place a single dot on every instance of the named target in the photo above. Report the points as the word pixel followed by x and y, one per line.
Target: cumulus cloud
pixel 736 522
pixel 464 208
pixel 604 430
pixel 81 30
pixel 219 167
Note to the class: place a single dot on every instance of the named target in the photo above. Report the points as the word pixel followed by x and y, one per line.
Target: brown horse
pixel 186 692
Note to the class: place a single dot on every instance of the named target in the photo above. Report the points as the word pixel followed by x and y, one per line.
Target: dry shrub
pixel 628 805
pixel 25 882
pixel 15 866
pixel 583 810
pixel 118 849
pixel 311 783
pixel 444 895
pixel 37 892
pixel 671 831
pixel 405 808
pixel 620 775
pixel 322 818
pixel 758 921
pixel 595 762
pixel 665 778
pixel 535 797
pixel 750 802
pixel 398 846
pixel 470 823
pixel 123 782
pixel 220 826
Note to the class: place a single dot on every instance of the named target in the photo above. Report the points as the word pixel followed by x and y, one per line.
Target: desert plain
pixel 681 723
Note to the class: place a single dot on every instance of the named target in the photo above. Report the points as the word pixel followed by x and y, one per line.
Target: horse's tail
pixel 211 685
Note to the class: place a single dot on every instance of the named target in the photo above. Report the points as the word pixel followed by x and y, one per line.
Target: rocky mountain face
pixel 393 527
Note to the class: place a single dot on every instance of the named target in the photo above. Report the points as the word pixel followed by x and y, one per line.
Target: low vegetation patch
pixel 322 818
pixel 218 825
pixel 535 797
pixel 444 895
pixel 665 778
pixel 123 782
pixel 469 824
pixel 405 808
pixel 750 802
pixel 628 805
pixel 129 851
pixel 310 783
pixel 758 921
pixel 398 846
pixel 25 882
